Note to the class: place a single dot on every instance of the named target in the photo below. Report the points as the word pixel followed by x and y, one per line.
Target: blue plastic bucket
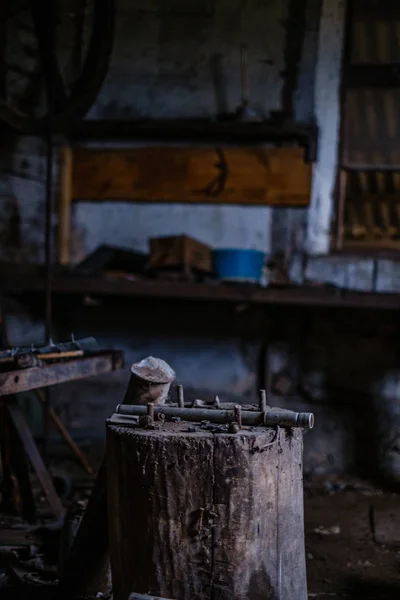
pixel 238 265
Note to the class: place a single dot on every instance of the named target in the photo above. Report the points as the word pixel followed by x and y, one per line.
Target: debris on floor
pixel 385 523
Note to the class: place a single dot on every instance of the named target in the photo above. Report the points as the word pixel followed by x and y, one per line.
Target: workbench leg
pixel 8 489
pixel 17 488
pixel 28 443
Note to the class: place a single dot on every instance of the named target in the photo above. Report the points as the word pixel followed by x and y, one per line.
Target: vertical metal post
pixel 48 216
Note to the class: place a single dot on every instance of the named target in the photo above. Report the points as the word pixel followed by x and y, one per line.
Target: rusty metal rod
pixel 272 417
pixel 238 415
pixel 262 402
pixel 181 399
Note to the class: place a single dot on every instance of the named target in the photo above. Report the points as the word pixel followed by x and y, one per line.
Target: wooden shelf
pixel 308 296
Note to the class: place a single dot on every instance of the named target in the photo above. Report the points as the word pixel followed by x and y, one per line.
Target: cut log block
pixel 203 516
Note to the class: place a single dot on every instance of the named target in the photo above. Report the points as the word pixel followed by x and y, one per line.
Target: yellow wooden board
pixel 253 176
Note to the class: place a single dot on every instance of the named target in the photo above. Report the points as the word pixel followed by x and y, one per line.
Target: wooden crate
pixel 180 251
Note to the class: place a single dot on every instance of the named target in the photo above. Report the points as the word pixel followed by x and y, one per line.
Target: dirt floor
pixel 343 560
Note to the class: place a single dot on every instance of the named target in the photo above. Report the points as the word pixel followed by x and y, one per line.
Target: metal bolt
pixel 262 403
pixel 233 427
pixel 238 415
pixel 150 410
pixel 181 400
pixel 161 417
pixel 175 419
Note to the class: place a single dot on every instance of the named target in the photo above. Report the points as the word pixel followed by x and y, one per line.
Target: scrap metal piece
pixel 287 418
pixel 233 427
pixel 272 417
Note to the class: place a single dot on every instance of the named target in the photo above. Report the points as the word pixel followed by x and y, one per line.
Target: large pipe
pixel 271 417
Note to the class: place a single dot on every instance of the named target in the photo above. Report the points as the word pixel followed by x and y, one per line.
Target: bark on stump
pixel 203 516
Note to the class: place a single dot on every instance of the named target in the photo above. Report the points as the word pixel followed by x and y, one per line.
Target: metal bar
pixel 55 91
pixel 13 382
pixel 272 417
pixel 27 441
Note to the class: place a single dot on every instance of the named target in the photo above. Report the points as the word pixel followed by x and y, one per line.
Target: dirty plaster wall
pixel 150 77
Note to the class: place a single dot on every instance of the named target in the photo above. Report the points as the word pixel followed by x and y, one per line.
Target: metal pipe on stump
pixel 198 514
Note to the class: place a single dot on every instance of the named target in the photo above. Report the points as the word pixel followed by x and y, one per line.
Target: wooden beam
pixel 28 443
pixel 13 382
pixel 245 175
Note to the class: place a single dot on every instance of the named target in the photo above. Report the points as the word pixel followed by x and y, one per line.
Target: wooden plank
pixel 65 435
pixel 13 382
pixel 247 175
pixel 28 443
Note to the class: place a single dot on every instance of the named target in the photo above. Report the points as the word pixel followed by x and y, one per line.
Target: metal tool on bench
pixel 30 356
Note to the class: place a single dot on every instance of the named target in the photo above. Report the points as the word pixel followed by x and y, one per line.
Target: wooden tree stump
pixel 203 516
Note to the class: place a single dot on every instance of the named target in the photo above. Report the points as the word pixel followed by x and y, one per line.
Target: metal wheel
pixel 72 61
